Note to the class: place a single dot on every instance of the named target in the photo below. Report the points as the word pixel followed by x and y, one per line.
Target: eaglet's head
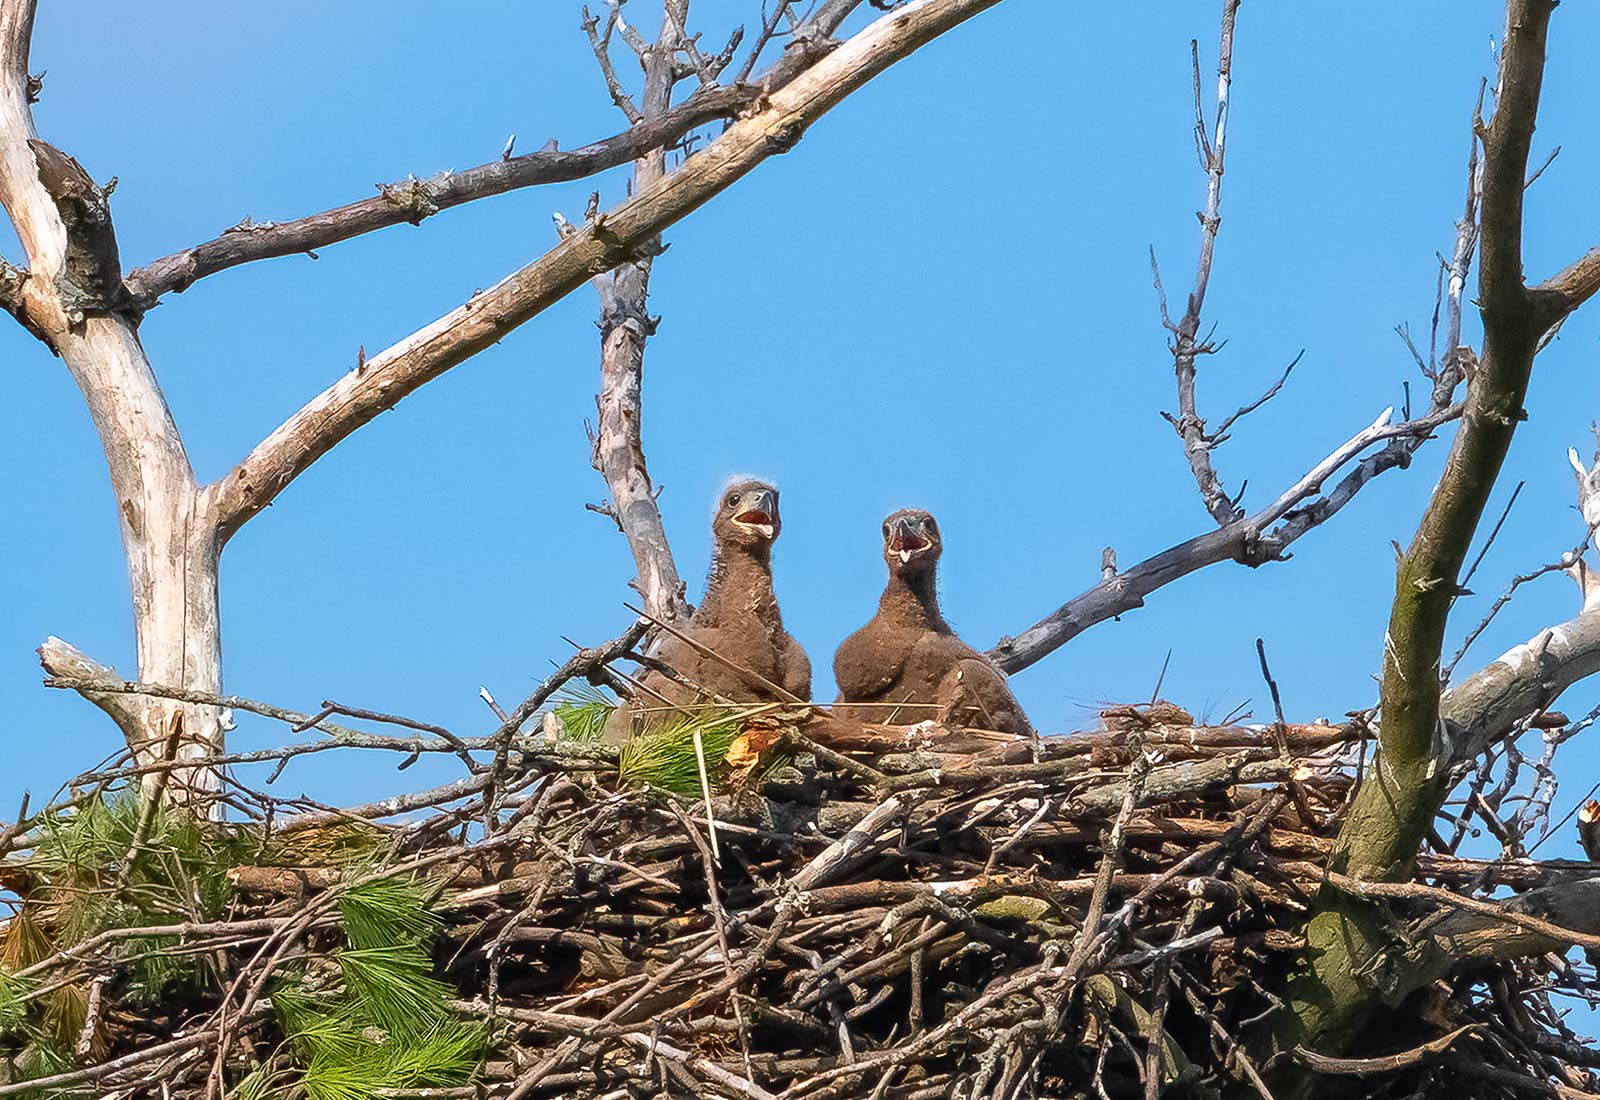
pixel 747 515
pixel 911 543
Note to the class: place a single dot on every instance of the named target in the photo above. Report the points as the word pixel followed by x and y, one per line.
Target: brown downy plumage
pixel 909 657
pixel 738 619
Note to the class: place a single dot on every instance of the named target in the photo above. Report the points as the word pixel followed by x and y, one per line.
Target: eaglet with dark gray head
pixel 907 660
pixel 738 620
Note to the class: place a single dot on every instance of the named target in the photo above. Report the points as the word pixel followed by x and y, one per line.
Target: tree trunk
pixel 169 540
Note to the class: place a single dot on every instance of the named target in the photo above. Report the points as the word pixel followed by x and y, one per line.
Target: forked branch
pixel 1252 540
pixel 1187 346
pixel 611 239
pixel 412 200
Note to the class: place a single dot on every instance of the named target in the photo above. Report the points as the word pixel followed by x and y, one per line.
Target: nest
pixel 900 914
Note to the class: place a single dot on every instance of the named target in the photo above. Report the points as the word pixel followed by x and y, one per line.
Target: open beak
pixel 761 515
pixel 906 542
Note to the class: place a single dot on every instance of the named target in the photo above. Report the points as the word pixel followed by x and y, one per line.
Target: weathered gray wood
pixel 410 201
pixel 1253 540
pixel 72 297
pixel 613 238
pixel 70 300
pixel 625 328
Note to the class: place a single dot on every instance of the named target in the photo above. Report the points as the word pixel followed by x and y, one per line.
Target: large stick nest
pixel 904 913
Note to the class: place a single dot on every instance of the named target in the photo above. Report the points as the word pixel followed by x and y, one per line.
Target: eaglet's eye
pixel 733 499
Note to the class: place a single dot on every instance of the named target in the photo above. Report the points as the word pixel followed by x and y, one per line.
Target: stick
pixel 705 792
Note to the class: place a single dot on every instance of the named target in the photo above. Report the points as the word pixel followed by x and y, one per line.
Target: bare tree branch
pixel 769 27
pixel 1567 560
pixel 65 661
pixel 1529 677
pixel 1221 432
pixel 412 201
pixel 1568 289
pixel 73 299
pixel 626 324
pixel 31 209
pixel 1252 540
pixel 1573 908
pixel 1187 346
pixel 625 328
pixel 613 238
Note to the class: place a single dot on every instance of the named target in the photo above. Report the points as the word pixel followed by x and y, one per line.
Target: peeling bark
pixel 625 328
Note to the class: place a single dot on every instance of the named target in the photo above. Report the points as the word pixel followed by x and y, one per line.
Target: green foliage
pixel 388 1025
pixel 663 754
pixel 45 1059
pixel 391 1026
pixel 81 885
pixel 180 872
pixel 584 710
pixel 348 1064
pixel 388 911
pixel 392 984
pixel 265 1083
pixel 341 845
pixel 13 1002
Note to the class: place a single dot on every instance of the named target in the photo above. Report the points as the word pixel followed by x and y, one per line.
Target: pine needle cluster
pixel 379 1020
pixel 662 753
pixel 85 876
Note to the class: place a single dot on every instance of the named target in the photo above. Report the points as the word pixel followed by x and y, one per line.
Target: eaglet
pixel 738 620
pixel 908 660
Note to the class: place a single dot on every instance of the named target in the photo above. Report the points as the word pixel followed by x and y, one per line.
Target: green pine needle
pixel 339 845
pixel 391 986
pixel 46 1059
pixel 663 754
pixel 263 1083
pixel 179 874
pixel 584 710
pixel 13 1001
pixel 357 1067
pixel 348 1056
pixel 392 1027
pixel 389 911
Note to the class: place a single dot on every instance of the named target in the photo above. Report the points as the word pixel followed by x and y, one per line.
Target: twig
pixel 1563 562
pixel 1387 1063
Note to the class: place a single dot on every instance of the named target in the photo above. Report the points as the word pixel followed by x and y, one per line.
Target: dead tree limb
pixel 626 324
pixel 625 328
pixel 1266 536
pixel 613 238
pixel 1253 540
pixel 1187 346
pixel 409 202
pixel 1485 708
pixel 75 303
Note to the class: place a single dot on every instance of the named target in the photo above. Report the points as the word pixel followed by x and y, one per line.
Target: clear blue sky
pixel 941 298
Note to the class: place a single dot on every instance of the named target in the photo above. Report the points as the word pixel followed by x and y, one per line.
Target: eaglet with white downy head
pixel 738 619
